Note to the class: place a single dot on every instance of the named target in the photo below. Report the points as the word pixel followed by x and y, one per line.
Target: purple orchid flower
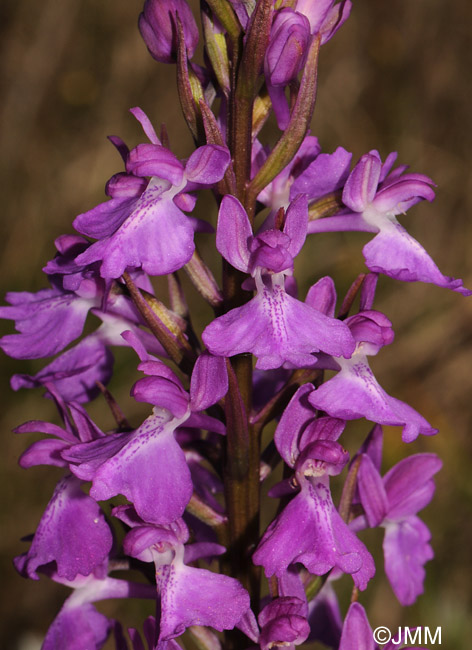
pixel 275 327
pixel 310 530
pixel 188 596
pixel 354 392
pixel 142 225
pixel 291 34
pixel 375 197
pixel 392 502
pixel 143 464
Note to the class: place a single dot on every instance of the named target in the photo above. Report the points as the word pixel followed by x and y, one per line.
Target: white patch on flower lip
pixel 384 221
pixel 156 187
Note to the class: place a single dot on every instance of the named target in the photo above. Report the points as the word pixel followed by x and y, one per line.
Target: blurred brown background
pixel 396 77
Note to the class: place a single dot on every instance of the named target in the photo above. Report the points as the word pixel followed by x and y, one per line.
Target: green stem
pixel 242 492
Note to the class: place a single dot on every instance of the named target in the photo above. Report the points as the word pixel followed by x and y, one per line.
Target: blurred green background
pixel 396 77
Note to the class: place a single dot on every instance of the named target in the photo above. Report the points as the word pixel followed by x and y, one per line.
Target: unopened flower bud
pixel 157 24
pixel 289 41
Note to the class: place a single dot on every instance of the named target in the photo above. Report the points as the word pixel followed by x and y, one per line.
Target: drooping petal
pixel 72 532
pixel 277 329
pixel 354 393
pixel 397 254
pixel 341 223
pixel 192 596
pixel 406 550
pixel 310 530
pixel 368 288
pixel 324 618
pixel 156 368
pixel 78 628
pixel 68 247
pixel 43 452
pixel 205 422
pixel 400 192
pixel 150 470
pixel 84 427
pixel 39 426
pixel 146 125
pixel 85 459
pixel 373 446
pixel 203 550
